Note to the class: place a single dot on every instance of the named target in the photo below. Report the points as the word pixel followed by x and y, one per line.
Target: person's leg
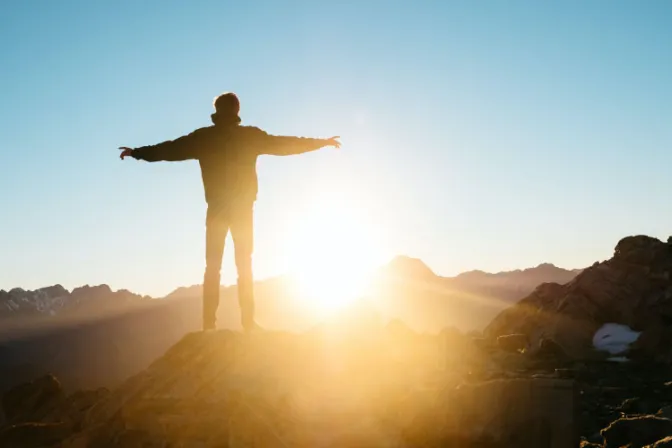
pixel 242 231
pixel 216 229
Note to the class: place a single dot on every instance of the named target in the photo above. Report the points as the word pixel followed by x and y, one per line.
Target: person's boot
pixel 247 308
pixel 252 327
pixel 247 317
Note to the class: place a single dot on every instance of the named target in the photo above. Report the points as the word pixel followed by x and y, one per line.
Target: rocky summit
pixel 331 387
pixel 341 386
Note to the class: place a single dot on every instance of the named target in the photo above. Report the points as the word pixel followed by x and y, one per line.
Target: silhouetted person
pixel 227 153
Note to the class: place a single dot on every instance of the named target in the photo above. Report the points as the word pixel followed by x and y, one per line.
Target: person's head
pixel 227 107
pixel 227 104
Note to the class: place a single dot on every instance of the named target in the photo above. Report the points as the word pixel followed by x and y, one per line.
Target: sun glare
pixel 332 254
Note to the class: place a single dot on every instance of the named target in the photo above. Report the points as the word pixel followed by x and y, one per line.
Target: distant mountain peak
pixel 539 269
pixel 547 266
pixel 409 267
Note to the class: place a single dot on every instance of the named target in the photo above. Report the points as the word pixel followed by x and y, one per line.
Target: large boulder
pixel 633 288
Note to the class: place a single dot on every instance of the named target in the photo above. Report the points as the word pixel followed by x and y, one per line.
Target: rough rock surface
pixel 326 388
pixel 633 288
pixel 276 389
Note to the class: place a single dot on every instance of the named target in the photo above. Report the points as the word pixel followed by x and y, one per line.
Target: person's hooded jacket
pixel 227 153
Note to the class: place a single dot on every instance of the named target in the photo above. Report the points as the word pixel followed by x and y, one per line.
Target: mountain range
pixel 93 336
pixel 86 302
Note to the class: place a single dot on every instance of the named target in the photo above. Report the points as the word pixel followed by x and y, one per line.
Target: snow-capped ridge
pixel 51 300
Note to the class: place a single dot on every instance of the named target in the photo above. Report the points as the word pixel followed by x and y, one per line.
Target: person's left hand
pixel 125 152
pixel 333 142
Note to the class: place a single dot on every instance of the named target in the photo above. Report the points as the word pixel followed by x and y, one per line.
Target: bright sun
pixel 332 252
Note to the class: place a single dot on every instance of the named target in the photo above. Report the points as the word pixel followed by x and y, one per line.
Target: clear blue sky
pixel 491 135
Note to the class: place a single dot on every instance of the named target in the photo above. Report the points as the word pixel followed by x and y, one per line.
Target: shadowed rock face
pixel 40 414
pixel 36 401
pixel 633 288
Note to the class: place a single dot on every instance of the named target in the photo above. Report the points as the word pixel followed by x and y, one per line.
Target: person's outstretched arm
pixel 182 148
pixel 278 145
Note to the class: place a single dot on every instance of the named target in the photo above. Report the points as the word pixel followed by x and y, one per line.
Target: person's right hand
pixel 125 152
pixel 333 142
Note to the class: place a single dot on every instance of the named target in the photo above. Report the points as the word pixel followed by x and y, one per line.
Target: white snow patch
pixel 619 359
pixel 614 338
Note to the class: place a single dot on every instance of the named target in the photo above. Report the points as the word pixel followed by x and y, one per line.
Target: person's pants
pixel 239 219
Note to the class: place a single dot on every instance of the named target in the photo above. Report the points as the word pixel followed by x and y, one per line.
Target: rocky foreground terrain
pixel 350 387
pixel 537 378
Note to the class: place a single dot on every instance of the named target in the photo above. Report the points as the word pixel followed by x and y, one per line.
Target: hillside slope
pixel 633 288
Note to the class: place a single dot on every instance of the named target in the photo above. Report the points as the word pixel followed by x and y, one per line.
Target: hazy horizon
pixel 475 135
pixel 289 276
